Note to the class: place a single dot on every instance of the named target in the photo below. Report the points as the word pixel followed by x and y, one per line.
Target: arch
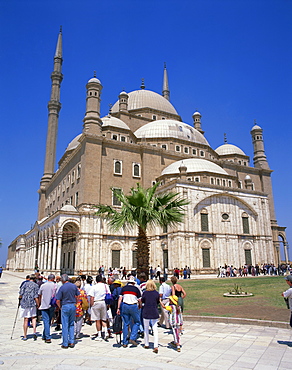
pixel 202 204
pixel 70 233
pixel 205 243
pixel 115 246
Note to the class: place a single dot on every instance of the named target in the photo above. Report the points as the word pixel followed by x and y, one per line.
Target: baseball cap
pixel 289 278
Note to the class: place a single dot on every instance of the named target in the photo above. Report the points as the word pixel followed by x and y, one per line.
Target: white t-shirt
pixel 98 291
pixel 47 290
pixel 165 290
pixel 288 294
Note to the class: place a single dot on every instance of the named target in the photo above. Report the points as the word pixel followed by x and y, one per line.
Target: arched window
pixel 116 201
pixel 204 220
pixel 245 223
pixel 136 170
pixel 118 168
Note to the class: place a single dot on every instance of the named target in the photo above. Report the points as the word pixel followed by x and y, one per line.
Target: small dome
pixel 197 114
pixel 114 122
pixel 194 165
pixel 69 208
pixel 256 127
pixel 147 99
pixel 94 79
pixel 228 149
pixel 123 93
pixel 169 128
pixel 247 177
pixel 74 143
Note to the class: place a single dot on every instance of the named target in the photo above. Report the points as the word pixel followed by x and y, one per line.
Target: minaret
pixel 92 122
pixel 197 122
pixel 259 158
pixel 54 107
pixel 165 88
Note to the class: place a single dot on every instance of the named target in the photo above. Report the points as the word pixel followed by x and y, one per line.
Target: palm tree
pixel 143 208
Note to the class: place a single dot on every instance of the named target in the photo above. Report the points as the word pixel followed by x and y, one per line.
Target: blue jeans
pixel 68 314
pixel 130 312
pixel 47 316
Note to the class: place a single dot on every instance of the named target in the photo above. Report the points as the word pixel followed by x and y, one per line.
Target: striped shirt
pixel 130 294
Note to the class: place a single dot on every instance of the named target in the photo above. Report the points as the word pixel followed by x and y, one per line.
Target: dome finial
pixel 225 138
pixel 142 84
pixel 94 74
pixel 61 28
pixel 110 109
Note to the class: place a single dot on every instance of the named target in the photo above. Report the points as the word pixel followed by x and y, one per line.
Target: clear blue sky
pixel 231 60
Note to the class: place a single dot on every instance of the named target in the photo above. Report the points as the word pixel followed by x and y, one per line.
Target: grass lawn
pixel 205 298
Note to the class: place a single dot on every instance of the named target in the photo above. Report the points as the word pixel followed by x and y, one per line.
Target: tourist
pixel 98 307
pixel 164 293
pixel 66 300
pixel 46 292
pixel 178 291
pixel 158 272
pixel 28 296
pixel 288 294
pixel 87 287
pixel 1 270
pixel 81 307
pixel 150 300
pixel 131 298
pixel 176 320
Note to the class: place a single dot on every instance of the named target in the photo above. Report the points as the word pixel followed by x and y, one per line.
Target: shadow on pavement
pixel 289 344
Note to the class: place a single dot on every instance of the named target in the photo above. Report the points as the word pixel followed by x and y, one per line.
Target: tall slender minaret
pixel 54 107
pixel 165 88
pixel 259 158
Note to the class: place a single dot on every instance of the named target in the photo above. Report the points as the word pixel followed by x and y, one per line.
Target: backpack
pixel 84 304
pixel 118 327
pixel 117 324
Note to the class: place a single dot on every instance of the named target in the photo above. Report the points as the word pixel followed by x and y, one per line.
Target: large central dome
pixel 169 128
pixel 147 99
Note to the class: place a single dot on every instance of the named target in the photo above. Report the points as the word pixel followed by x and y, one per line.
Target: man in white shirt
pixel 46 292
pixel 288 294
pixel 97 294
pixel 164 293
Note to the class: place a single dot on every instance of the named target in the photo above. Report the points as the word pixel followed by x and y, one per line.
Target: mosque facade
pixel 230 218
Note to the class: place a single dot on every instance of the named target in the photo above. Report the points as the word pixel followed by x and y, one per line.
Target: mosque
pixel 230 218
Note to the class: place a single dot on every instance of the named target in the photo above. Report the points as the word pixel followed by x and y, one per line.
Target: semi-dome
pixel 194 165
pixel 68 208
pixel 115 122
pixel 147 99
pixel 169 128
pixel 228 149
pixel 74 143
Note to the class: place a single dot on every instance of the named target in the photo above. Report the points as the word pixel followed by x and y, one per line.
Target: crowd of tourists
pixel 257 270
pixel 128 306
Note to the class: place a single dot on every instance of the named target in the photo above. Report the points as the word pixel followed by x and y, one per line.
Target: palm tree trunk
pixel 142 244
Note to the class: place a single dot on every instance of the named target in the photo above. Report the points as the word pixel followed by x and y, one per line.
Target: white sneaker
pixel 98 339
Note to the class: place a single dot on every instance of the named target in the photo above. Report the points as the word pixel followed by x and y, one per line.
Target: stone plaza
pixel 205 345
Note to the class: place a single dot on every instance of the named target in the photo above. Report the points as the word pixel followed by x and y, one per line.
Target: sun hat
pixel 289 278
pixel 131 279
pixel 118 282
pixel 173 299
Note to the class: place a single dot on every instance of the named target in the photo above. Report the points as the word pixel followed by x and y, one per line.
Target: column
pixel 45 258
pixel 59 250
pixel 54 253
pixel 50 245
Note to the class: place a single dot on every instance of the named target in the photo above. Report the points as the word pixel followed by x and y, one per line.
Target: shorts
pixel 98 311
pixel 27 312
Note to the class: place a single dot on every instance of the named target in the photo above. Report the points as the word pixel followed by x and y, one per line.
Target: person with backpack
pixel 81 307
